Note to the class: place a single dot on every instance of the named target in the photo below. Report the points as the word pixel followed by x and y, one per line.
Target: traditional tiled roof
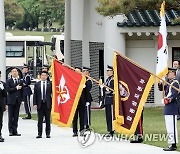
pixel 149 18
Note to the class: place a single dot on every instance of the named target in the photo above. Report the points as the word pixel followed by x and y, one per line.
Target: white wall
pixel 96 24
pixel 77 19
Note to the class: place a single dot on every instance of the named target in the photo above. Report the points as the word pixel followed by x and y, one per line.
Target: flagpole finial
pixel 162 12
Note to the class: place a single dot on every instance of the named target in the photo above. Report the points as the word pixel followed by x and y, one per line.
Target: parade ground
pixel 61 141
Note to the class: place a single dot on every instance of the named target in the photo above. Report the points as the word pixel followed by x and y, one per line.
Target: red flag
pixel 131 85
pixel 67 88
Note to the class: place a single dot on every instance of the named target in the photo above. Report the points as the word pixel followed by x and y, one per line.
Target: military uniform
pixel 3 94
pixel 80 110
pixel 108 103
pixel 87 116
pixel 171 112
pixel 26 94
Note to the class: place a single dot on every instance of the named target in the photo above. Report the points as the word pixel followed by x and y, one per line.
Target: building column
pixel 2 42
pixel 85 34
pixel 67 38
pixel 113 40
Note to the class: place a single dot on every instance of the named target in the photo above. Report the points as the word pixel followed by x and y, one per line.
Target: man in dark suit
pixel 3 95
pixel 79 111
pixel 14 99
pixel 171 108
pixel 109 98
pixel 42 100
pixel 26 91
pixel 177 67
pixel 87 115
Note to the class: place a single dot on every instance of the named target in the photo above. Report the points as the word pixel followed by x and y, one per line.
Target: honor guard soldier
pixel 27 92
pixel 109 98
pixel 171 108
pixel 89 83
pixel 80 110
pixel 3 95
pixel 14 99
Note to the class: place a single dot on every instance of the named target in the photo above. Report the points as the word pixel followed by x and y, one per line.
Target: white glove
pixel 101 86
pixel 107 89
pixel 87 103
pixel 1 86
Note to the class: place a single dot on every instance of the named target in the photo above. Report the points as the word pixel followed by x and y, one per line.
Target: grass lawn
pixel 153 124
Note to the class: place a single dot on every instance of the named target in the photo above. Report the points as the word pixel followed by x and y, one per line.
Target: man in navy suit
pixel 171 108
pixel 42 100
pixel 3 95
pixel 14 99
pixel 26 91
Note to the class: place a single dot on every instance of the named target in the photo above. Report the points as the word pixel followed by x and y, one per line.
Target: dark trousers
pixel 44 112
pixel 13 115
pixel 108 111
pixel 27 105
pixel 87 116
pixel 139 129
pixel 178 103
pixel 79 111
pixel 1 120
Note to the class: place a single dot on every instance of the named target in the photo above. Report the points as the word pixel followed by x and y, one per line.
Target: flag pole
pixel 81 73
pixel 146 70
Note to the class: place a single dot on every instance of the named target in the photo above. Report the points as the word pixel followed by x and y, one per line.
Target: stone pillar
pixel 113 40
pixel 2 42
pixel 67 38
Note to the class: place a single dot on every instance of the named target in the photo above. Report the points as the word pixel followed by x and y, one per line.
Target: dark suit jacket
pixel 88 89
pixel 37 100
pixel 109 96
pixel 26 86
pixel 3 94
pixel 13 94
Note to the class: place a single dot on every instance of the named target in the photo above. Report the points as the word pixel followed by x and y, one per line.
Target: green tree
pixel 114 7
pixel 37 11
pixel 13 12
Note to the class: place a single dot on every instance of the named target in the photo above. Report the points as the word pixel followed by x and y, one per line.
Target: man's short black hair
pixel 78 68
pixel 44 72
pixel 14 68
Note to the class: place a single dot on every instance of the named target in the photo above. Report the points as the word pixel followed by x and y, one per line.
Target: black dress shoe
pixel 75 135
pixel 178 117
pixel 1 140
pixel 139 140
pixel 48 136
pixel 39 136
pixel 16 134
pixel 10 134
pixel 27 117
pixel 171 148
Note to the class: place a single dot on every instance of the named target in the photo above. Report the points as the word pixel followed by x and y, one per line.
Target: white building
pixel 90 39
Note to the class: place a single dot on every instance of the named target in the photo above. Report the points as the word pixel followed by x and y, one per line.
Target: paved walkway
pixel 62 142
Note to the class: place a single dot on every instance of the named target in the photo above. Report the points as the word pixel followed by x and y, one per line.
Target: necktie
pixel 44 92
pixel 16 82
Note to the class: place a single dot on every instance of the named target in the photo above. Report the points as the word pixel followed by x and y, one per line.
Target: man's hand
pixel 1 86
pixel 35 106
pixel 18 87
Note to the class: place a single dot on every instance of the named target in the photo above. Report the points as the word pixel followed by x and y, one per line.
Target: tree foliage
pixel 13 12
pixel 29 13
pixel 114 7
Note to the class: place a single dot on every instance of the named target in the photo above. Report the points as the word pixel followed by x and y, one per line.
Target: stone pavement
pixel 62 142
